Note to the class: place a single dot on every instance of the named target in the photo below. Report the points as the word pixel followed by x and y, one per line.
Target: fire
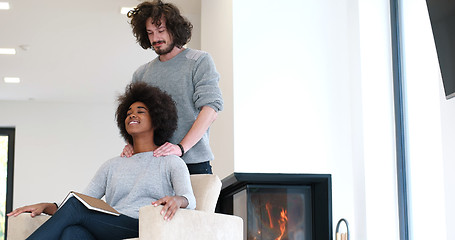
pixel 281 221
pixel 269 207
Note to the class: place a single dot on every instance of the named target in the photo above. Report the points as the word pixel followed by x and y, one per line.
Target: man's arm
pixel 203 121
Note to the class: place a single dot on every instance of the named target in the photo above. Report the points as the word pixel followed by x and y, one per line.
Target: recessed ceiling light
pixel 125 10
pixel 4 5
pixel 12 80
pixel 7 51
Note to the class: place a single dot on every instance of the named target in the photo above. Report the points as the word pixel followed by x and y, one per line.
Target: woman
pixel 146 118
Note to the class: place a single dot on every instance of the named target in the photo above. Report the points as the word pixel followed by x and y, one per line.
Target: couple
pixel 147 118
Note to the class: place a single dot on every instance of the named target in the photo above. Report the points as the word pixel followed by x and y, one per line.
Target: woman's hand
pixel 167 149
pixel 128 151
pixel 171 205
pixel 35 209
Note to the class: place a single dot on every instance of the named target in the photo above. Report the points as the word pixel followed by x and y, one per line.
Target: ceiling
pixel 72 51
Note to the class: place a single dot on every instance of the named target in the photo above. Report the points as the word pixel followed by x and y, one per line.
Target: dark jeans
pixel 200 168
pixel 74 221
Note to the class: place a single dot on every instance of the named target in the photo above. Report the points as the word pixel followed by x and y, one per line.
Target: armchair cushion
pixel 206 189
pixel 20 227
pixel 188 224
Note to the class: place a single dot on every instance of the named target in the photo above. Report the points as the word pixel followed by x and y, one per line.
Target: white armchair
pixel 200 224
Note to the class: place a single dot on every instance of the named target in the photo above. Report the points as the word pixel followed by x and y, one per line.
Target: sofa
pixel 202 223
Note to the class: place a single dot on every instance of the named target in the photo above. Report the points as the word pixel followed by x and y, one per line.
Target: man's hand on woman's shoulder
pixel 128 151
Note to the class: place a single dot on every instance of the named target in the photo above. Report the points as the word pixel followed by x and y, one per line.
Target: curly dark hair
pixel 178 26
pixel 161 108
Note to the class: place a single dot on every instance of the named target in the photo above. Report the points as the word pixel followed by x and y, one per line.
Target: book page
pixel 91 203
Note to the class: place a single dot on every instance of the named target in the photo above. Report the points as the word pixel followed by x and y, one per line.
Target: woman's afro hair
pixel 161 108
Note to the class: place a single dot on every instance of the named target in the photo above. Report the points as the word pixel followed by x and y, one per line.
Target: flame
pixel 282 221
pixel 268 207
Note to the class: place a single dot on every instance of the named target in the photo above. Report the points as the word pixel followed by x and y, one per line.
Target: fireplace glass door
pixel 275 212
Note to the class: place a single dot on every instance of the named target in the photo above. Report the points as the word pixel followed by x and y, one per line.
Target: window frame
pixel 400 118
pixel 10 132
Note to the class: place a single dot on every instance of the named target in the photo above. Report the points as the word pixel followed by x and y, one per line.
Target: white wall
pixel 58 147
pixel 216 38
pixel 381 208
pixel 312 94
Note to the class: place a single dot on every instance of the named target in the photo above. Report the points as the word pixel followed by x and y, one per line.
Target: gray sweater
pixel 192 81
pixel 131 183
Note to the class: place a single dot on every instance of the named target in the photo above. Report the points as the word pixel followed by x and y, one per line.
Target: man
pixel 188 75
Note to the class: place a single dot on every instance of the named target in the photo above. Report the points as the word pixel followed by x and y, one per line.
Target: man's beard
pixel 163 51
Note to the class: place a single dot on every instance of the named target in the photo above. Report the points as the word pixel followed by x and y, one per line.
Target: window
pixel 424 117
pixel 6 175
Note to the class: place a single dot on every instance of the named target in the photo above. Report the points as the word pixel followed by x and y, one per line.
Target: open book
pixel 91 203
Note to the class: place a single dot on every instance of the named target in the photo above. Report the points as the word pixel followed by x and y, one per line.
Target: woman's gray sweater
pixel 131 183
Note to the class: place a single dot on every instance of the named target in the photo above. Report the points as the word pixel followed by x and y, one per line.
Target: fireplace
pixel 279 206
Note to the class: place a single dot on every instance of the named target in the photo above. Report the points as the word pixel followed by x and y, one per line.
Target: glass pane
pixel 3 181
pixel 279 213
pixel 429 124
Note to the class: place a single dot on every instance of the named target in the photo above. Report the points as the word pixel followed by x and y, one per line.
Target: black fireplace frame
pixel 321 192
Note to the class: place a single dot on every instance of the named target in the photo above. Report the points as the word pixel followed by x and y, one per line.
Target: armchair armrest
pixel 188 224
pixel 20 227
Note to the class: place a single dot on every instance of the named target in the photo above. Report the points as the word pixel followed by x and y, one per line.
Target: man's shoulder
pixel 141 70
pixel 146 65
pixel 195 54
